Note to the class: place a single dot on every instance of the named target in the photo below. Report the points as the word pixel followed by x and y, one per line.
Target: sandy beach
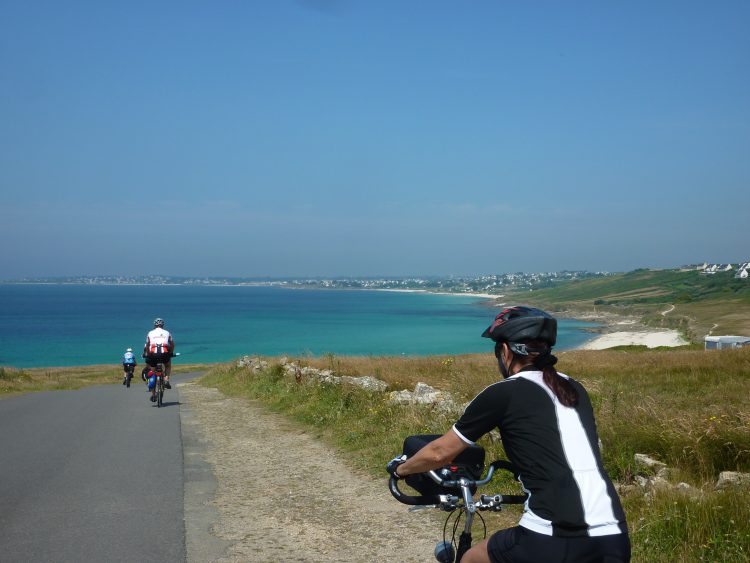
pixel 454 293
pixel 620 330
pixel 651 339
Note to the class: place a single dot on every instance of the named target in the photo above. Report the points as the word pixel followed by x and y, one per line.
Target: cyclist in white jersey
pixel 159 349
pixel 547 427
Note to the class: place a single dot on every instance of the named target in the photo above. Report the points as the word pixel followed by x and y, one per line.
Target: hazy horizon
pixel 344 276
pixel 320 138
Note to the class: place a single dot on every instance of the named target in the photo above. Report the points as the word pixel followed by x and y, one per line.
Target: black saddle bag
pixel 468 464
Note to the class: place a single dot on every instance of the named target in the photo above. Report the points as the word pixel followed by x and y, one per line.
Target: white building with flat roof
pixel 725 342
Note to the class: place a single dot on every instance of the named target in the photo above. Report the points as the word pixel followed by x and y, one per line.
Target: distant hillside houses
pixel 742 271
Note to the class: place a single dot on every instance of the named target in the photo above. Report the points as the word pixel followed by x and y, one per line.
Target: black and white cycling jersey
pixel 555 449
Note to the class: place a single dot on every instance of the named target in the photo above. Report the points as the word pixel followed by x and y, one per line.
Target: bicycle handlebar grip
pixel 408 499
pixel 514 499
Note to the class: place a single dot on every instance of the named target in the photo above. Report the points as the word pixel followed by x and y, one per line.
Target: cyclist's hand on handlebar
pixel 393 465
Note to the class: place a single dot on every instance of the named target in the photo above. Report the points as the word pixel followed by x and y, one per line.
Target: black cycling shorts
pixel 153 359
pixel 521 545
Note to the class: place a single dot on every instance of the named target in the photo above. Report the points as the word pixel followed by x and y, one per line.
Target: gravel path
pixel 268 505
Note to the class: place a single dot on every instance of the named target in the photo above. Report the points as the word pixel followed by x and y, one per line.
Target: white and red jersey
pixel 159 341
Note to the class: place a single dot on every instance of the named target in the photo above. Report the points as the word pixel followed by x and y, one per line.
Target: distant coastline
pixel 615 330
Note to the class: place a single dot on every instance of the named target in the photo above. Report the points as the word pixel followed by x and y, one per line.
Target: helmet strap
pixel 501 360
pixel 503 368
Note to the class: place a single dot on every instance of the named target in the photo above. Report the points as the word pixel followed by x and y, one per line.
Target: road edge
pixel 199 489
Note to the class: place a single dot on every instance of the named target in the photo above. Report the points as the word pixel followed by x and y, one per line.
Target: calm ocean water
pixel 67 325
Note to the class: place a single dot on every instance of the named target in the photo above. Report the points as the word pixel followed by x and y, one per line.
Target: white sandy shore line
pixel 651 339
pixel 454 294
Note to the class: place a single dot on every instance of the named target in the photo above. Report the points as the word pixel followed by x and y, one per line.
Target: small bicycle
pixel 452 489
pixel 129 369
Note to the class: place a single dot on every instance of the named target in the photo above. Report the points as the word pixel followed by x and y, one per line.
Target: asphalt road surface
pixel 92 475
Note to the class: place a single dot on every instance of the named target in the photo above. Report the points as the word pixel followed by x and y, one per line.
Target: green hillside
pixel 694 303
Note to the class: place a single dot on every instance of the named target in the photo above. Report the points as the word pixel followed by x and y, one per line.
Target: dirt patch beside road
pixel 282 495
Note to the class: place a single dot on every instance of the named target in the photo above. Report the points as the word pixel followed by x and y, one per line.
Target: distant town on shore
pixel 486 284
pixel 451 284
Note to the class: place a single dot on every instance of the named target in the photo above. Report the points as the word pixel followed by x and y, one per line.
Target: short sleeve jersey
pixel 555 449
pixel 159 341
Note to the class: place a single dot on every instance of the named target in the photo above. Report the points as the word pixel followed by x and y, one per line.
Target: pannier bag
pixel 469 463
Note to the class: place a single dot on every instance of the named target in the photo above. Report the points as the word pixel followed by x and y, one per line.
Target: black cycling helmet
pixel 521 324
pixel 158 323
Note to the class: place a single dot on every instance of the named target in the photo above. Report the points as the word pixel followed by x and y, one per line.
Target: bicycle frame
pixel 159 386
pixel 128 373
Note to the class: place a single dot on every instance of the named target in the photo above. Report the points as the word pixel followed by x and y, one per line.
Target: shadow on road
pixel 168 404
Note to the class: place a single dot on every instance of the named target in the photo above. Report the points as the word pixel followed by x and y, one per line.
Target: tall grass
pixel 687 408
pixel 667 526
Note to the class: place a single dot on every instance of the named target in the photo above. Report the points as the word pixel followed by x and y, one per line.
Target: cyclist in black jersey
pixel 548 432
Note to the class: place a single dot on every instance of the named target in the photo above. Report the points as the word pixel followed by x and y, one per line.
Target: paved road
pixel 91 475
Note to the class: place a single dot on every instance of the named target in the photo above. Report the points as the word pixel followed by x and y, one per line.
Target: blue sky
pixel 328 138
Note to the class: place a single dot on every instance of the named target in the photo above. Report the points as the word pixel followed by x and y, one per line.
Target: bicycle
pixel 452 489
pixel 129 369
pixel 158 390
pixel 159 387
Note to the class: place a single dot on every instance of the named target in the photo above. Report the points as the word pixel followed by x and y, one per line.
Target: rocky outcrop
pixel 325 376
pixel 254 363
pixel 366 382
pixel 732 479
pixel 423 394
pixel 654 476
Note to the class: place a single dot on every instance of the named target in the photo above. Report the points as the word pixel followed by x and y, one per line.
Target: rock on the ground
pixel 730 479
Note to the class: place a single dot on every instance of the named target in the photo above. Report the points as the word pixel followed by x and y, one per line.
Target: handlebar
pixel 486 502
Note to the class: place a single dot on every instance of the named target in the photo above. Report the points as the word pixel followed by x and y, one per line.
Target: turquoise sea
pixel 67 325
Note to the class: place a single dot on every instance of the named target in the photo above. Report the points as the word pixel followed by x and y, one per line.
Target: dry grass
pixel 687 407
pixel 14 381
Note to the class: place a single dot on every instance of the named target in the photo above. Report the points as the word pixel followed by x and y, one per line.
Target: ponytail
pixel 560 386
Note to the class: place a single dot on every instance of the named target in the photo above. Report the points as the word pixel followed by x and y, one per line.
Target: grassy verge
pixel 687 408
pixel 14 381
